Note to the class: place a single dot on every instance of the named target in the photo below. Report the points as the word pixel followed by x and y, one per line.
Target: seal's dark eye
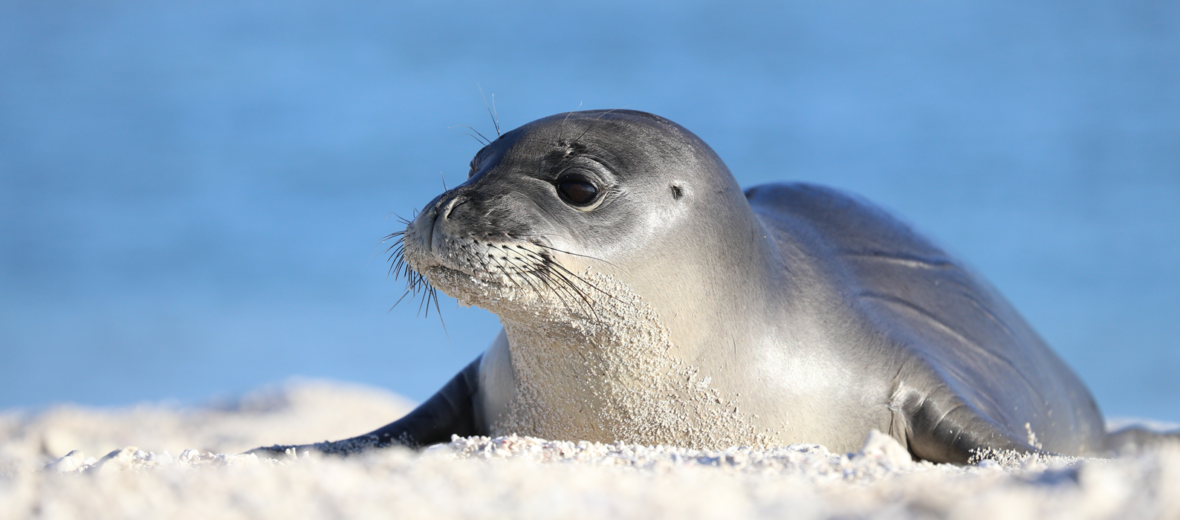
pixel 577 190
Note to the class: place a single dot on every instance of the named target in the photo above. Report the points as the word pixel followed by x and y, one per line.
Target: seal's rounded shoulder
pixel 844 220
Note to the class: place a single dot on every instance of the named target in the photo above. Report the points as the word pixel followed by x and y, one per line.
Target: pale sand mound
pixel 513 477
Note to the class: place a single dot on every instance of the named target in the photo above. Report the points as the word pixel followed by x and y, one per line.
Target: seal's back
pixel 976 373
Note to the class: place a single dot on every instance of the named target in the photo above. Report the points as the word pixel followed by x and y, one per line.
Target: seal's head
pixel 617 192
pixel 607 243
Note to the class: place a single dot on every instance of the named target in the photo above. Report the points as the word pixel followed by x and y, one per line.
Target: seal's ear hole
pixel 677 192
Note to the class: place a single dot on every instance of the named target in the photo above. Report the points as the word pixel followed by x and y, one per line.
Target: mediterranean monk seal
pixel 645 298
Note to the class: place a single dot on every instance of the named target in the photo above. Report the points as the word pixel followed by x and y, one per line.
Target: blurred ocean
pixel 193 197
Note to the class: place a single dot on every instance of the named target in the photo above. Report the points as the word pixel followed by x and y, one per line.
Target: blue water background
pixel 193 197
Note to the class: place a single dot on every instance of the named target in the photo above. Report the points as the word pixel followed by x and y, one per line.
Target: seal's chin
pixel 457 282
pixel 497 292
pixel 528 285
pixel 468 260
pixel 502 276
pixel 442 272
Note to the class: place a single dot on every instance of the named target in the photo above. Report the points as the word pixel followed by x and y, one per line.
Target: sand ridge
pixel 523 477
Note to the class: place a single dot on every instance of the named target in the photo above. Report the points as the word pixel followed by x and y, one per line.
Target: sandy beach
pixel 167 461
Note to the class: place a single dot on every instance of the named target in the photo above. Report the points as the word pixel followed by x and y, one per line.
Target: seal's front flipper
pixel 280 451
pixel 451 411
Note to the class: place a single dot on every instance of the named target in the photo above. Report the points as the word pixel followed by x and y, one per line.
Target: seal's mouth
pixel 437 271
pixel 501 276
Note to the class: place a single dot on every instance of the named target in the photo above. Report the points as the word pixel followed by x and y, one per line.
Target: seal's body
pixel 645 298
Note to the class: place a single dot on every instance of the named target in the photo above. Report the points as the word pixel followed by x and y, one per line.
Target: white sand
pixel 184 468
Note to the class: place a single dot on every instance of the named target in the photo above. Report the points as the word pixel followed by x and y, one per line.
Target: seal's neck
pixel 714 286
pixel 608 371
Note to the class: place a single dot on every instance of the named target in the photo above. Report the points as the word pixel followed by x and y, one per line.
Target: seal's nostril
pixel 450 206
